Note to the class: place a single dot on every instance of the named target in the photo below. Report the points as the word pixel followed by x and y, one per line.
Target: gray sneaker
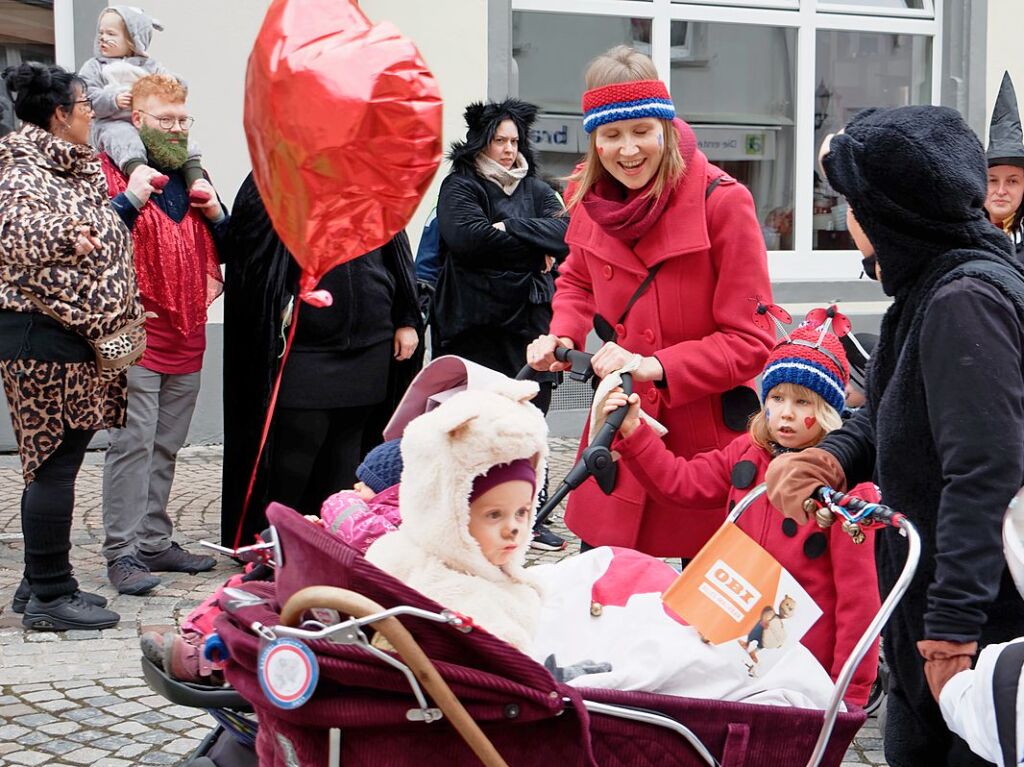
pixel 129 576
pixel 175 559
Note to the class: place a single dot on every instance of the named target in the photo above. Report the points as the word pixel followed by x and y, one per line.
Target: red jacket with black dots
pixel 838 573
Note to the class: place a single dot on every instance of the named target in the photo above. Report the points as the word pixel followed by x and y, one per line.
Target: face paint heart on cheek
pixel 809 421
pixel 661 140
pixel 600 150
pixel 767 414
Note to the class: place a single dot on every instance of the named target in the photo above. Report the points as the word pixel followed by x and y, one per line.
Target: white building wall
pixel 1005 22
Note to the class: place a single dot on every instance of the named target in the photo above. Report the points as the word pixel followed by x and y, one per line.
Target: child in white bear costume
pixel 488 447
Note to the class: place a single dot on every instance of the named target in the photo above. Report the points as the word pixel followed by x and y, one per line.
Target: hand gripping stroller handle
pixel 580 361
pixel 358 606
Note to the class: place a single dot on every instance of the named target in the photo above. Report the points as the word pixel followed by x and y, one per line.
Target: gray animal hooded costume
pixel 106 78
pixel 1006 147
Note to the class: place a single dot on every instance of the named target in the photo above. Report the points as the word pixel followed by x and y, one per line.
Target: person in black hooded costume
pixel 941 430
pixel 502 234
pixel 348 367
pixel 1005 200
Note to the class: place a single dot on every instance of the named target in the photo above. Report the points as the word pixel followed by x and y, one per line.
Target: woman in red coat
pixel 645 199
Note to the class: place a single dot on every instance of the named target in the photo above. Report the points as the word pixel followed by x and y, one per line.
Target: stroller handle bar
pixel 358 606
pixel 596 459
pixel 855 513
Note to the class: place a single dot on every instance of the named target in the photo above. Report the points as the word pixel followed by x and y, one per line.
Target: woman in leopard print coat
pixel 62 243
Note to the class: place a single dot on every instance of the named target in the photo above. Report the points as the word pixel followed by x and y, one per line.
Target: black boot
pixel 71 611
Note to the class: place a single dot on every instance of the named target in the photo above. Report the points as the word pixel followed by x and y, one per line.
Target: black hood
pixel 482 120
pixel 1005 141
pixel 916 179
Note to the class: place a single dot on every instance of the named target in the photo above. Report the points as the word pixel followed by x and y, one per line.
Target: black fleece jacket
pixel 971 352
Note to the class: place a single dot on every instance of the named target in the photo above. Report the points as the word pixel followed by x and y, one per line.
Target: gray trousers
pixel 139 466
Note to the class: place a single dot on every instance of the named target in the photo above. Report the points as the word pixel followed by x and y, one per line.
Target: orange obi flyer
pixel 737 594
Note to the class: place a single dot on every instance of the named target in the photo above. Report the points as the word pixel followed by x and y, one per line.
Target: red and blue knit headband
pixel 626 101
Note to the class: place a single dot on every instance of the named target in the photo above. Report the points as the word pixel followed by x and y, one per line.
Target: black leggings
pixel 47 508
pixel 315 453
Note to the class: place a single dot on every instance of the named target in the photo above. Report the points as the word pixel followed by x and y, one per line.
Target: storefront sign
pixel 552 133
pixel 742 143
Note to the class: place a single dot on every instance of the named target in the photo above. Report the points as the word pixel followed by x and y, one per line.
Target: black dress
pixel 339 379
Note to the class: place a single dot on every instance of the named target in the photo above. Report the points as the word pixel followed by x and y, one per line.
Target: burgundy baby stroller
pixel 488 703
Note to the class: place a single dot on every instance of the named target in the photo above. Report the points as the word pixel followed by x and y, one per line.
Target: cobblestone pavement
pixel 78 698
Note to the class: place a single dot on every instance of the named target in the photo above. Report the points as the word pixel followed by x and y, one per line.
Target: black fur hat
pixel 915 178
pixel 482 120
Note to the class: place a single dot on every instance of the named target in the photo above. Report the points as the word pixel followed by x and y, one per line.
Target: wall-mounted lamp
pixel 822 99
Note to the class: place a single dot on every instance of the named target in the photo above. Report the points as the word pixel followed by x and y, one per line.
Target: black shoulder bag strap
pixel 1005 682
pixel 607 332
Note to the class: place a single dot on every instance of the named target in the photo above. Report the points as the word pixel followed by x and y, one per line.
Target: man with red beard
pixel 174 232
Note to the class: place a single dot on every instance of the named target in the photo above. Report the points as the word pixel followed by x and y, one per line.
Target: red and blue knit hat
pixel 626 101
pixel 813 357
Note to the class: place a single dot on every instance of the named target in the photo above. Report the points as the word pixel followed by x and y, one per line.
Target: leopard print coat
pixel 48 189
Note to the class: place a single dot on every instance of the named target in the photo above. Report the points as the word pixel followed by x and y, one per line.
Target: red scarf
pixel 176 263
pixel 625 214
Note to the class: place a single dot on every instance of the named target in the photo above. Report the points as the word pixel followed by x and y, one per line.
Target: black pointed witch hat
pixel 1005 140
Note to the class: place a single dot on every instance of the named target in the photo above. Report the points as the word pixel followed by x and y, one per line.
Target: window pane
pixel 743 115
pixel 551 52
pixel 26 34
pixel 895 4
pixel 856 70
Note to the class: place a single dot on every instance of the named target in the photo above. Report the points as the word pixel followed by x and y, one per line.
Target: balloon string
pixel 267 420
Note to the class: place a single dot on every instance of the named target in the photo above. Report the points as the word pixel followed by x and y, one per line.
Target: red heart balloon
pixel 343 121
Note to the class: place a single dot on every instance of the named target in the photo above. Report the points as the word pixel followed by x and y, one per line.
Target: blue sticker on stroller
pixel 288 672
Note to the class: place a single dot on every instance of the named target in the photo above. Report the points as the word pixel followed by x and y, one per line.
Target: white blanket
pixel 647 648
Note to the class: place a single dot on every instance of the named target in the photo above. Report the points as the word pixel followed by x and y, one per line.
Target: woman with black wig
pixel 502 235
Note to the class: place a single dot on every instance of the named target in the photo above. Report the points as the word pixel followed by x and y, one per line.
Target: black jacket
pixel 943 441
pixel 491 278
pixel 374 295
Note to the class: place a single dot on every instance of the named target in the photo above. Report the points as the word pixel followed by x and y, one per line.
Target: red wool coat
pixel 696 318
pixel 838 573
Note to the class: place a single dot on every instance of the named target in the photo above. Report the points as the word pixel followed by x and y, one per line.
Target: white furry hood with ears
pixel 443 451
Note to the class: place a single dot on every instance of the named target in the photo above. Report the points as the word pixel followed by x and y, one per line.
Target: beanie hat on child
pixel 813 357
pixel 521 469
pixel 382 466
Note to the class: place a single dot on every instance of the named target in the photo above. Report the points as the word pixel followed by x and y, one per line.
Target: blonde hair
pixel 163 86
pixel 828 418
pixel 623 64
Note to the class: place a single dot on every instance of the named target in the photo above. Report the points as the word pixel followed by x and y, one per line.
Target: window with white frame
pixel 768 77
pixel 26 34
pixel 857 70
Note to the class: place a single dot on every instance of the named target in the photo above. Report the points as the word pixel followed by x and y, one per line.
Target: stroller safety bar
pixel 268 552
pixel 417 664
pixel 855 514
pixel 651 717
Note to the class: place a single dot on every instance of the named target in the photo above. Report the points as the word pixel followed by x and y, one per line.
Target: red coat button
pixel 607 271
pixel 652 395
pixel 649 336
pixel 620 331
